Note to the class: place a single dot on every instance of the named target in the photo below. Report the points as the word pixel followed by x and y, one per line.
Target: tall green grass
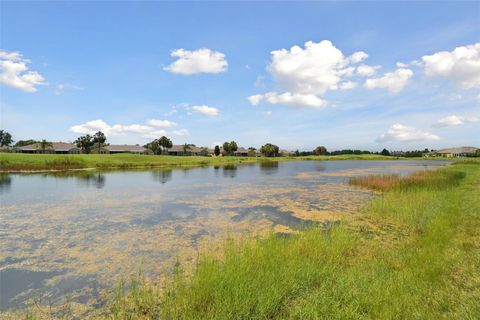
pixel 421 179
pixel 413 255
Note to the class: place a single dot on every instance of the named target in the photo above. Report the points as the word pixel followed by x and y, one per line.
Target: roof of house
pixel 57 146
pixel 124 148
pixel 179 148
pixel 241 150
pixel 457 150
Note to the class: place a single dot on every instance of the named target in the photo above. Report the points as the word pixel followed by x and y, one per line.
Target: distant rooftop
pixel 124 148
pixel 58 146
pixel 457 150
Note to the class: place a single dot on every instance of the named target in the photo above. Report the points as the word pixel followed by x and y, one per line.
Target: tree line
pixel 89 143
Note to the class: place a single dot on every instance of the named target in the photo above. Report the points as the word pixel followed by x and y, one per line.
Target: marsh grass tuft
pixel 137 299
pixel 423 179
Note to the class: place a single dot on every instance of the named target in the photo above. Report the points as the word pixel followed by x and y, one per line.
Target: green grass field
pixel 413 254
pixel 19 161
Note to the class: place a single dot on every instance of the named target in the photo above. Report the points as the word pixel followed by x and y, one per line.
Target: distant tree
pixel 226 147
pixel 216 151
pixel 230 147
pixel 320 151
pixel 99 139
pixel 44 145
pixel 269 150
pixel 186 147
pixel 154 146
pixel 297 153
pixel 22 143
pixel 5 138
pixel 385 152
pixel 233 146
pixel 165 143
pixel 85 143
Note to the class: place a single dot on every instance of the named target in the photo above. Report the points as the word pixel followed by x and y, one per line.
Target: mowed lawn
pixel 414 253
pixel 19 161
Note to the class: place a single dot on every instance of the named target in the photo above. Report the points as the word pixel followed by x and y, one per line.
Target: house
pixel 125 148
pixel 397 153
pixel 114 148
pixel 179 150
pixel 286 153
pixel 54 148
pixel 455 152
pixel 211 152
pixel 241 152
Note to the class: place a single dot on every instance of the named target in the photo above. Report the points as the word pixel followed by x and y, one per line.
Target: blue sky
pixel 140 70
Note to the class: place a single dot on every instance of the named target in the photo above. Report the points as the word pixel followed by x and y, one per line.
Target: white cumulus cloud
pixel 161 123
pixel 14 72
pixel 197 61
pixel 148 130
pixel 365 70
pixel 255 99
pixel 453 120
pixel 401 133
pixel 306 73
pixel 295 99
pixel 358 57
pixel 314 69
pixel 181 132
pixel 394 82
pixel 206 110
pixel 347 85
pixel 462 65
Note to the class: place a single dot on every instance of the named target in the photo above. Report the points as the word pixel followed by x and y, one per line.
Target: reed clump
pixel 424 179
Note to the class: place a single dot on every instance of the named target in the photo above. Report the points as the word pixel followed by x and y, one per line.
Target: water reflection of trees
pixel 320 167
pixel 96 180
pixel 5 182
pixel 269 167
pixel 162 176
pixel 229 171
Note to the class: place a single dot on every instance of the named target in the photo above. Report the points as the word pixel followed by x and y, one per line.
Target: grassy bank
pixel 414 254
pixel 33 162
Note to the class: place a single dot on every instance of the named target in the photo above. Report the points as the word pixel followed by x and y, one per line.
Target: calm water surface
pixel 68 236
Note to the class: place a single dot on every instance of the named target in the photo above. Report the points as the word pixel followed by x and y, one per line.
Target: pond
pixel 68 236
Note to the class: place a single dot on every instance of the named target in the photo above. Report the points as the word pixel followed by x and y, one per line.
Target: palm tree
pixel 44 144
pixel 99 139
pixel 85 143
